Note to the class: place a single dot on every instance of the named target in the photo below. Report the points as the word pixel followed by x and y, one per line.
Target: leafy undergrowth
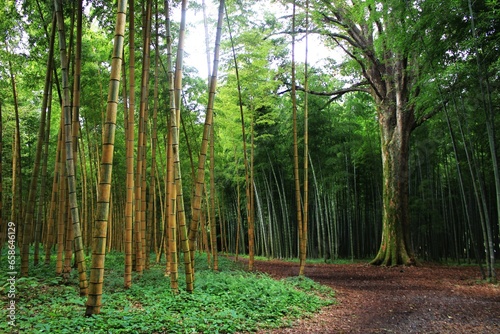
pixel 231 300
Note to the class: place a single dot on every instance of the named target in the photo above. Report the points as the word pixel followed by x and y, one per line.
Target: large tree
pixel 384 41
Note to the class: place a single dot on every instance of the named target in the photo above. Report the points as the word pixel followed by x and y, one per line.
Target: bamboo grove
pixel 110 142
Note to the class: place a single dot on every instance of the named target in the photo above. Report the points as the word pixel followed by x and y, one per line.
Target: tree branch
pixel 358 87
pixel 377 21
pixel 355 37
pixel 345 38
pixel 421 120
pixel 363 68
pixel 287 32
pixel 334 21
pixel 427 116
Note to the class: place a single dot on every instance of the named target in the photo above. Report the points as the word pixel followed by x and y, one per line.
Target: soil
pixel 418 299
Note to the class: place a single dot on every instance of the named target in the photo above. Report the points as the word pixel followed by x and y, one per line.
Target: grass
pixel 231 300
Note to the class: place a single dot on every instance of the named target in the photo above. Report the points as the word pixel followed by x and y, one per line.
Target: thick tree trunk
pixel 391 72
pixel 395 129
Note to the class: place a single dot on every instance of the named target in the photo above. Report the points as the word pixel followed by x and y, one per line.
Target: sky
pixel 195 38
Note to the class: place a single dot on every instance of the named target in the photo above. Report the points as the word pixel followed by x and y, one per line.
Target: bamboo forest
pixel 156 156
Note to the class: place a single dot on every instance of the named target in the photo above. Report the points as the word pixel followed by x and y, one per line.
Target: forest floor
pixel 424 299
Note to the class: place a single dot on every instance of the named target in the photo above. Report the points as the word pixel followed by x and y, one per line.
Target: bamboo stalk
pixel 103 198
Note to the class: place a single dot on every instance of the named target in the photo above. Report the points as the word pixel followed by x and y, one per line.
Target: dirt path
pixel 425 299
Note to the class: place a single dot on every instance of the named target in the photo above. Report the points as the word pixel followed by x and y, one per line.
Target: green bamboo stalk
pixel 200 177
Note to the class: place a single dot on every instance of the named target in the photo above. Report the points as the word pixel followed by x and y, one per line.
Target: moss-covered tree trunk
pixel 392 72
pixel 396 124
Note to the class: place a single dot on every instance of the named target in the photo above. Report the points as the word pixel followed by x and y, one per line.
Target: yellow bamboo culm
pixel 104 190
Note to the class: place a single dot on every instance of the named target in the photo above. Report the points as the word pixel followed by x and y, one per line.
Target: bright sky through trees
pixel 195 39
